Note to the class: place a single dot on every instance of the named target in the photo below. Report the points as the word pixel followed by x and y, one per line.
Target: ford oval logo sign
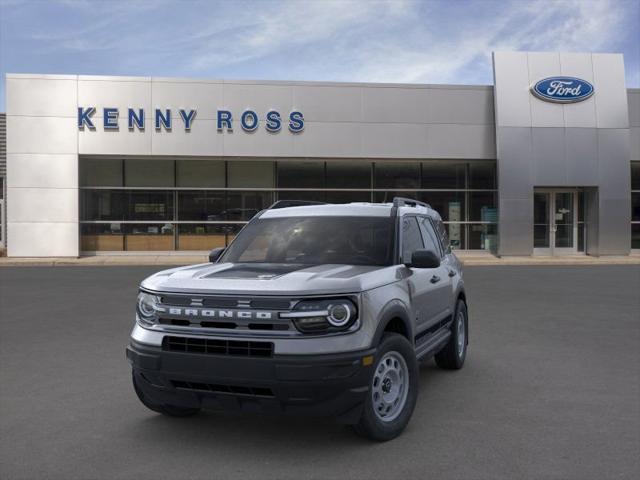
pixel 562 89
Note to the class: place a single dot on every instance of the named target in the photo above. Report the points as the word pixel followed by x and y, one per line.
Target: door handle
pixel 435 279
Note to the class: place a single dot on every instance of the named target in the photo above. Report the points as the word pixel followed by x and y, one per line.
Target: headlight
pixel 146 308
pixel 323 316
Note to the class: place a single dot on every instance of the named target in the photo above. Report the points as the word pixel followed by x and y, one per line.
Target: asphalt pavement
pixel 550 390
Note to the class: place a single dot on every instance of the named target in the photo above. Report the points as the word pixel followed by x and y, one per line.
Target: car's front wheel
pixel 393 390
pixel 170 410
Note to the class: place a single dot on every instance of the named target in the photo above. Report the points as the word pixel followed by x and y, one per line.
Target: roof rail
pixel 408 202
pixel 294 203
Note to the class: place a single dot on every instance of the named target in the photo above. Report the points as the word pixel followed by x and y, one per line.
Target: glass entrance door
pixel 554 222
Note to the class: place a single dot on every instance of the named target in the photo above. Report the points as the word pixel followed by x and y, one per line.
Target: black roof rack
pixel 294 203
pixel 408 202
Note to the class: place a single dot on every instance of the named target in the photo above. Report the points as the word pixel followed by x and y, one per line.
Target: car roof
pixel 356 209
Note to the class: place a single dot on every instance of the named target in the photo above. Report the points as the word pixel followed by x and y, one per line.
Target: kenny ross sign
pixel 249 120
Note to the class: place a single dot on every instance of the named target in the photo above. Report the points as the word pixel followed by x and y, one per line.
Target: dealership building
pixel 544 162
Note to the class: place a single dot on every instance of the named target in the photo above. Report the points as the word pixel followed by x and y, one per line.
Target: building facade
pixel 128 164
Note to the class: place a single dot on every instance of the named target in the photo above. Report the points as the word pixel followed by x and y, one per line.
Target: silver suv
pixel 313 309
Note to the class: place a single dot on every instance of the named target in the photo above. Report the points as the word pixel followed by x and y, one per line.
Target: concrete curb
pixel 471 260
pixel 116 260
pixel 556 261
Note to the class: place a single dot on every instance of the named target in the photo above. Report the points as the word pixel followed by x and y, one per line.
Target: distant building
pixel 544 162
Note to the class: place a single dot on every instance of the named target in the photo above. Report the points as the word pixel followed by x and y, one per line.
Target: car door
pixel 439 296
pixel 421 285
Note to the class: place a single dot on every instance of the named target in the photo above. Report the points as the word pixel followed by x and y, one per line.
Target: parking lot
pixel 551 389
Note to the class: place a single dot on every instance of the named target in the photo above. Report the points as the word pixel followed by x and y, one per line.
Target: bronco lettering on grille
pixel 213 313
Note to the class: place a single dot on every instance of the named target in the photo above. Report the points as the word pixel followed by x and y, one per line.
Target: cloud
pixel 437 41
pixel 269 28
pixel 571 25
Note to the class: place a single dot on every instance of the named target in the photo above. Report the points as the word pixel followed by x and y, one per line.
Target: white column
pixel 42 166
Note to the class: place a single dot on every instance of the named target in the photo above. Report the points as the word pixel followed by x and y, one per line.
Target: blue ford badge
pixel 562 89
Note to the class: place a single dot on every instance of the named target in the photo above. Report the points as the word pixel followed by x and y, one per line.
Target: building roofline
pixel 120 78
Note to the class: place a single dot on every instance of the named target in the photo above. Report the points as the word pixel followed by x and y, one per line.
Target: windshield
pixel 314 241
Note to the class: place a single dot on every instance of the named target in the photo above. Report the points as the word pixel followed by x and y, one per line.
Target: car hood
pixel 271 279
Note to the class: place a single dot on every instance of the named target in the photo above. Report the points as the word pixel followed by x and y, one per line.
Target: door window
pixel 563 218
pixel 431 241
pixel 444 236
pixel 411 238
pixel 541 220
pixel 556 221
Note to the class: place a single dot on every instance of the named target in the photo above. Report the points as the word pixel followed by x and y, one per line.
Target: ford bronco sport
pixel 312 309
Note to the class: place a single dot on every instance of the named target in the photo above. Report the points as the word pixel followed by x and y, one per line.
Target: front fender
pixel 392 310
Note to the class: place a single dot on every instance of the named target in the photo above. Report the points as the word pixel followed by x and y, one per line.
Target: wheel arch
pixel 394 318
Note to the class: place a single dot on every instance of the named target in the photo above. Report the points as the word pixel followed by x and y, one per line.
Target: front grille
pixel 208 346
pixel 280 326
pixel 226 302
pixel 215 388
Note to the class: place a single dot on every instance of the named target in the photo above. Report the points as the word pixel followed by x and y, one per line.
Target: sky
pixel 403 41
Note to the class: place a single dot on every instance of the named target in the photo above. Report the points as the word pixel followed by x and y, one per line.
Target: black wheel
pixel 452 356
pixel 393 390
pixel 170 410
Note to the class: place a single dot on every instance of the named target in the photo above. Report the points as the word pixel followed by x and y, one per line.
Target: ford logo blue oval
pixel 562 89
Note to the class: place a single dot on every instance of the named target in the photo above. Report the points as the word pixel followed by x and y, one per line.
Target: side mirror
pixel 424 259
pixel 215 254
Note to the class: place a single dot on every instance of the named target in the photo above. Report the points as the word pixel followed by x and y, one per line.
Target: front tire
pixel 393 390
pixel 452 356
pixel 169 410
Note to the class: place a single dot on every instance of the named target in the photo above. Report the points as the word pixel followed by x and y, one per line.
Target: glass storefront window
pixel 203 236
pixel 635 175
pixel 443 175
pixel 356 174
pixel 450 205
pixel 387 197
pixel 456 232
pixel 347 197
pixel 149 173
pixel 581 235
pixel 311 196
pixel 101 172
pixel 395 175
pixel 216 198
pixel 252 174
pixel 149 205
pixel 482 237
pixel 103 205
pixel 200 173
pixel 300 174
pixel 482 175
pixel 635 206
pixel 201 205
pixel 482 207
pixel 635 235
pixel 95 237
pixel 148 237
pixel 126 205
pixel 244 205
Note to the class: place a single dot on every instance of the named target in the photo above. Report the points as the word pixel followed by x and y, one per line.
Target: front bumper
pixel 314 385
